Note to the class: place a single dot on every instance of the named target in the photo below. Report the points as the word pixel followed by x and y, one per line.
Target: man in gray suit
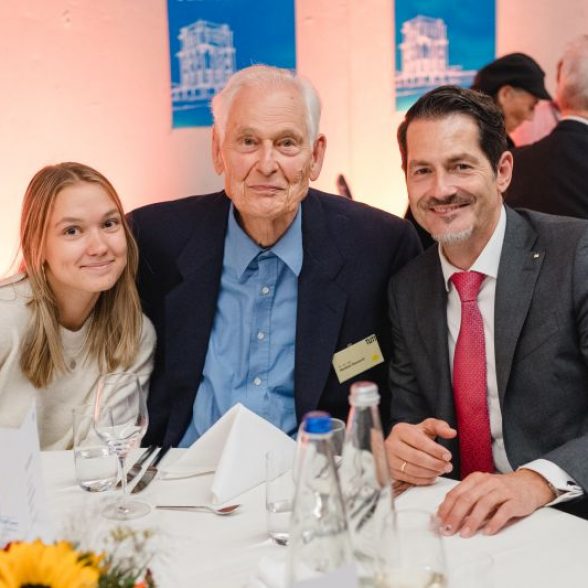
pixel 488 386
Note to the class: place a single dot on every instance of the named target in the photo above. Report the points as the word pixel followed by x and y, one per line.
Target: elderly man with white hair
pixel 550 175
pixel 253 290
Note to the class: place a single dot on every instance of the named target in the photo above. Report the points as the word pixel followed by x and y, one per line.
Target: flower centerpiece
pixel 62 565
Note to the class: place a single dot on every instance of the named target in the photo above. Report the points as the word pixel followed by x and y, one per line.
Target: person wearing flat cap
pixel 516 82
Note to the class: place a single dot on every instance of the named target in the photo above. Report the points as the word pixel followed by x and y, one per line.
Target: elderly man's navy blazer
pixel 350 252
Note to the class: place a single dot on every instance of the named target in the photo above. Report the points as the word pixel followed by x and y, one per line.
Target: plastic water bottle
pixel 365 480
pixel 319 542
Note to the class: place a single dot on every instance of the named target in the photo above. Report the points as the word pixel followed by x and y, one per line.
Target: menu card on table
pixel 23 505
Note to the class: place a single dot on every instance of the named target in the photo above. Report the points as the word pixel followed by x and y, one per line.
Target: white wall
pixel 345 48
pixel 88 80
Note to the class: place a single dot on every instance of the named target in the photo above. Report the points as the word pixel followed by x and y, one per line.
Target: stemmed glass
pixel 120 419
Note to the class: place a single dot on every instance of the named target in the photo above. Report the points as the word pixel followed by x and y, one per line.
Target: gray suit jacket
pixel 541 340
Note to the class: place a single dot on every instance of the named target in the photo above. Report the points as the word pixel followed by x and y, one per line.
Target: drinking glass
pixel 120 419
pixel 96 467
pixel 337 442
pixel 338 437
pixel 279 493
pixel 412 554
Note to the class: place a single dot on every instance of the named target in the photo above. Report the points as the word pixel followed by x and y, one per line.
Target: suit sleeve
pixel 407 402
pixel 407 247
pixel 571 456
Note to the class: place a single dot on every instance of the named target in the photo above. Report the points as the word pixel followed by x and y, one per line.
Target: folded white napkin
pixel 234 447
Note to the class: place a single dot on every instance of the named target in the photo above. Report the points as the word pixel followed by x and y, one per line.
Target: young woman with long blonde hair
pixel 73 312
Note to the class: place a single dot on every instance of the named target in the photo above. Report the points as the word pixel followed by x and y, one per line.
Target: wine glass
pixel 120 419
pixel 412 551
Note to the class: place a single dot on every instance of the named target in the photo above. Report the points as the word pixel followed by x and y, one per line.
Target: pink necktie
pixel 469 380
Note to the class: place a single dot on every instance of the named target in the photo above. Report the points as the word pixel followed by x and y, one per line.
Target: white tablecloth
pixel 199 550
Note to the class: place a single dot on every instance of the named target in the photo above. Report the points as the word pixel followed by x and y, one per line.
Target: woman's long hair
pixel 116 320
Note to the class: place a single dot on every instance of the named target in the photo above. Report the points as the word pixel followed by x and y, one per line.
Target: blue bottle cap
pixel 317 421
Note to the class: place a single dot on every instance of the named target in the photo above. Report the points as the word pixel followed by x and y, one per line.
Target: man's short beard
pixel 453 237
pixel 456 199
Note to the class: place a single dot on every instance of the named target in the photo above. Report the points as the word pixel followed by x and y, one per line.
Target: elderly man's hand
pixel 489 501
pixel 414 456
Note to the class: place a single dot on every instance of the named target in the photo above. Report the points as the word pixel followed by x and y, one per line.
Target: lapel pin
pixel 536 255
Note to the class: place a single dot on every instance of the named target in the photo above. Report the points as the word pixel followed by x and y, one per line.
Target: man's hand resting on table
pixel 488 502
pixel 481 501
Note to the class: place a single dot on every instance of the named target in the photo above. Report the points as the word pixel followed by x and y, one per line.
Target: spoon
pixel 224 510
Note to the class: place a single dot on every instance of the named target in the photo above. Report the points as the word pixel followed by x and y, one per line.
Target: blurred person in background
pixel 551 175
pixel 546 116
pixel 516 82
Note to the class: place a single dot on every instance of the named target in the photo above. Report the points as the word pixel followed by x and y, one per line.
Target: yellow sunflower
pixel 36 565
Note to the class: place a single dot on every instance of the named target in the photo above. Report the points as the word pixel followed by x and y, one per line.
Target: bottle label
pixel 357 358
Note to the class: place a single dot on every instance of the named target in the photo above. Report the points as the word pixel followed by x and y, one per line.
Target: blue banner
pixel 441 42
pixel 211 39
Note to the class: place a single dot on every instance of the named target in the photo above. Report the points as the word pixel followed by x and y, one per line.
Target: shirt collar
pixel 579 119
pixel 240 250
pixel 289 247
pixel 489 259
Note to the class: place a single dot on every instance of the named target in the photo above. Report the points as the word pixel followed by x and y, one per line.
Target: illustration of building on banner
pixel 425 58
pixel 207 60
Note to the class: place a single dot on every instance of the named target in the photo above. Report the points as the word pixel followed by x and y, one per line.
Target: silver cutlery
pixel 150 472
pixel 222 511
pixel 138 465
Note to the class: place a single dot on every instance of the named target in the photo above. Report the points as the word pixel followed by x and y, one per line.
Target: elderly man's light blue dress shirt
pixel 251 350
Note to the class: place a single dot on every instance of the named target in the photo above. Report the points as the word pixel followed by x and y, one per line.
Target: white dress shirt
pixel 487 263
pixel 579 119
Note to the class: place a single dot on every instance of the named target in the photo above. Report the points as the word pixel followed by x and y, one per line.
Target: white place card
pixel 23 505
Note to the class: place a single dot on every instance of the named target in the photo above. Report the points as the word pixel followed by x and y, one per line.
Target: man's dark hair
pixel 447 100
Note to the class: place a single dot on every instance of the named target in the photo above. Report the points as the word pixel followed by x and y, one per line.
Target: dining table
pixel 203 550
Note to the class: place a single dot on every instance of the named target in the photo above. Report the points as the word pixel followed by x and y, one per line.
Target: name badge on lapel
pixel 357 358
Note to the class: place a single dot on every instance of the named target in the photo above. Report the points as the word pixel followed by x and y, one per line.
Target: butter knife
pixel 150 472
pixel 138 465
